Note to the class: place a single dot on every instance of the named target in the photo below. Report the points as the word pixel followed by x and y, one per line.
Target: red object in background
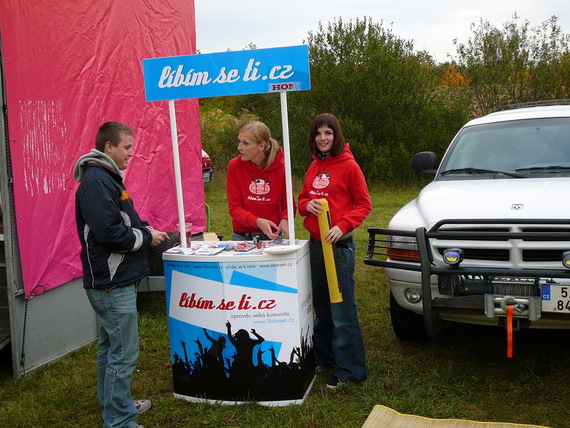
pixel 207 169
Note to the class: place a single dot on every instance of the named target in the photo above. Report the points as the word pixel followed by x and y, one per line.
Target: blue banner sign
pixel 228 73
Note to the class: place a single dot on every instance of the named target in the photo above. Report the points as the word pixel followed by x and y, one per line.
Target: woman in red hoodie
pixel 257 198
pixel 335 176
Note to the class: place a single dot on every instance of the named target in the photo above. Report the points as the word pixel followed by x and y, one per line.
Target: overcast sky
pixel 432 25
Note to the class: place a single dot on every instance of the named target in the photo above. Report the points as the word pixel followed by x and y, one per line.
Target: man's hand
pixel 158 237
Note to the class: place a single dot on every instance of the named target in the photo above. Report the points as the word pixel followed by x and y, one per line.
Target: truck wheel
pixel 155 254
pixel 406 324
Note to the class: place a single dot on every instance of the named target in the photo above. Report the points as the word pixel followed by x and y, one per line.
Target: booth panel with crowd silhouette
pixel 240 326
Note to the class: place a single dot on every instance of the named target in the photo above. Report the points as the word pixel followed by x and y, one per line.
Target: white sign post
pixel 288 180
pixel 177 174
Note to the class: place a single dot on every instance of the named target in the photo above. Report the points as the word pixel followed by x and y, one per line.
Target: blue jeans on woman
pixel 118 353
pixel 337 336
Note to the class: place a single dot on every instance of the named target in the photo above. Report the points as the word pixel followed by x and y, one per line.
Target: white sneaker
pixel 142 405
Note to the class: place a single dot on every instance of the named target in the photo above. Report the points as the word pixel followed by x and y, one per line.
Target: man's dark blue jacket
pixel 114 240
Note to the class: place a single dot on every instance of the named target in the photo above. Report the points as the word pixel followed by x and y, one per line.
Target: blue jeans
pixel 337 336
pixel 118 353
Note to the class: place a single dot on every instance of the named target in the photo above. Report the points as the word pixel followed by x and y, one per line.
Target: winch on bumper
pixel 472 270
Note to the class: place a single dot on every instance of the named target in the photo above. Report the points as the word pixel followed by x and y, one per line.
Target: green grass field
pixel 465 375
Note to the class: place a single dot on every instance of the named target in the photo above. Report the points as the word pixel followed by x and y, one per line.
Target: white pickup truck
pixel 490 235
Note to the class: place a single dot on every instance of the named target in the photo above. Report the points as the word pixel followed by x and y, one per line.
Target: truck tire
pixel 407 325
pixel 155 253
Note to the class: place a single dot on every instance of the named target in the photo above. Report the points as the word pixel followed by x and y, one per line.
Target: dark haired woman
pixel 335 176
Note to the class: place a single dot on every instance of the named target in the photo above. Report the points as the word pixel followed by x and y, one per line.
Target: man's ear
pixel 108 145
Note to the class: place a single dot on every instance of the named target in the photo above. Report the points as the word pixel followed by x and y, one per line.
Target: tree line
pixel 392 101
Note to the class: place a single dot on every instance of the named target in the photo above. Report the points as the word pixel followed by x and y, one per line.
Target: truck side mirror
pixel 425 162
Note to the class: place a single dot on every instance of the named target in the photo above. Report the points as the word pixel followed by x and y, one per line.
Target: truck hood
pixel 495 198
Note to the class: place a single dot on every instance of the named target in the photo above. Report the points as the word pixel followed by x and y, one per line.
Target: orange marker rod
pixel 328 253
pixel 510 309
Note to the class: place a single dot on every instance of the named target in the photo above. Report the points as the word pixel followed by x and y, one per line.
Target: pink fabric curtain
pixel 69 67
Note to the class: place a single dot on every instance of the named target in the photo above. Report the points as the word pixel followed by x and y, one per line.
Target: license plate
pixel 555 298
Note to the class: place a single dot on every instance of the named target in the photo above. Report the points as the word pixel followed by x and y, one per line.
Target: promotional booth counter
pixel 240 322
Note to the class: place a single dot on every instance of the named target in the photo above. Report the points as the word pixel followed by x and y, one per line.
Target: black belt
pixel 343 243
pixel 251 236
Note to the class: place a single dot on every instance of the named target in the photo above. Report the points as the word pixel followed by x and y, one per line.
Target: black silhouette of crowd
pixel 210 375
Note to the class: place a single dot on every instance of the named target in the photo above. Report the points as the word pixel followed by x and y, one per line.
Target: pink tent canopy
pixel 68 68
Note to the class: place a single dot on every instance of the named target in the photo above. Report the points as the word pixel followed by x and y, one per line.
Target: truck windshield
pixel 513 149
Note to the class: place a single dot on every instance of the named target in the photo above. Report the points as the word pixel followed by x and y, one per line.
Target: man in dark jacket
pixel 114 245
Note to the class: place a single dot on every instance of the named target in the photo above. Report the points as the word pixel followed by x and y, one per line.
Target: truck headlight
pixel 566 259
pixel 453 256
pixel 402 248
pixel 413 295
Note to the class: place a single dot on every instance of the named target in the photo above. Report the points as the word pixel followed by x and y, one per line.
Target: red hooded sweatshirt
pixel 256 193
pixel 340 181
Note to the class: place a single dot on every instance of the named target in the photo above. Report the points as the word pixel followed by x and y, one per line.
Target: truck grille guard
pixel 396 249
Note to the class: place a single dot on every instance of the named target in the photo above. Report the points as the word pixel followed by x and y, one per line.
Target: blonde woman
pixel 257 198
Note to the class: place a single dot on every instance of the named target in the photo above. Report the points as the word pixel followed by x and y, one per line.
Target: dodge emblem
pixel 517 206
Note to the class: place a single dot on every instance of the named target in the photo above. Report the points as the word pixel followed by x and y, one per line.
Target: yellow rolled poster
pixel 328 253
